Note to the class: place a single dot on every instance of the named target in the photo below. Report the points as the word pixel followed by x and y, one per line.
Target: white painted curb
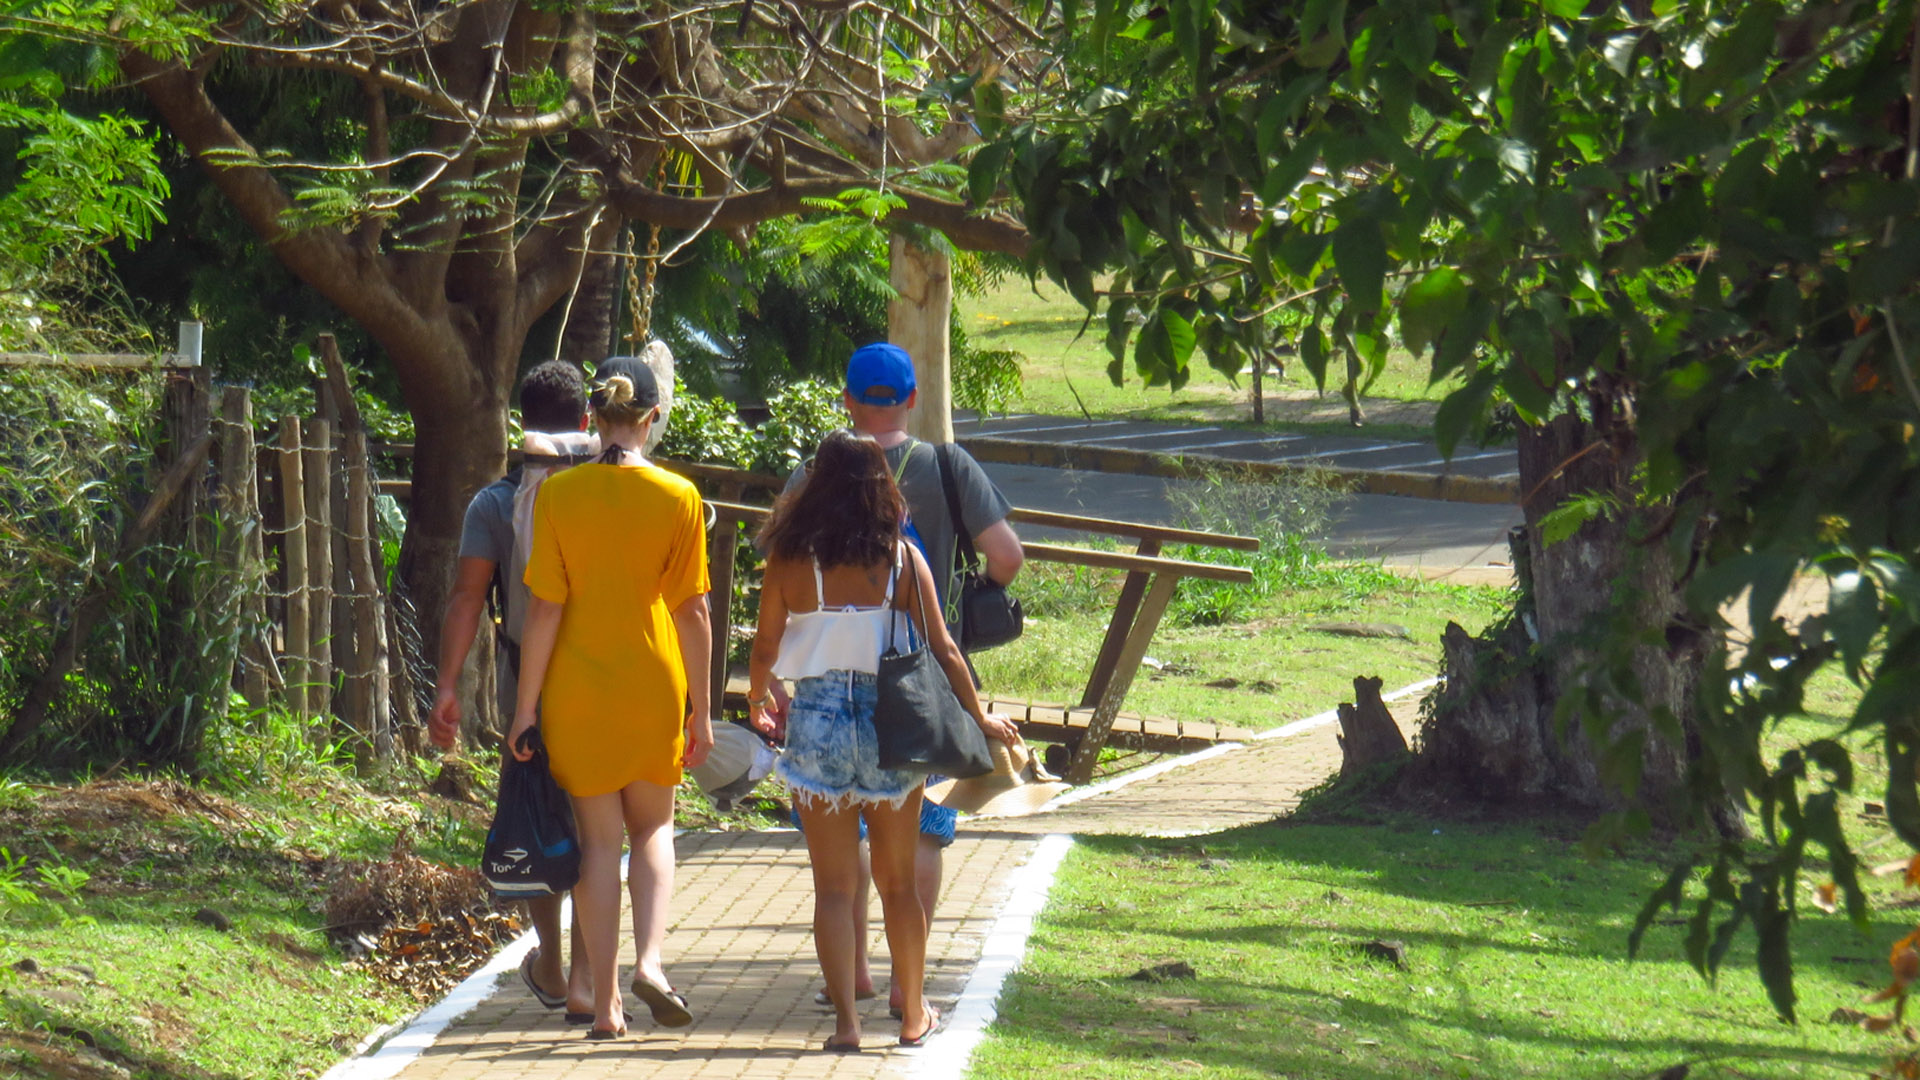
pixel 947 1054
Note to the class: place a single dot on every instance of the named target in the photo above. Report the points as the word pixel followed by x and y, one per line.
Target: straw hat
pixel 1018 785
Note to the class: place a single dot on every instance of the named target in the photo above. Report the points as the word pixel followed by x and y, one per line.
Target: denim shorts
pixel 831 753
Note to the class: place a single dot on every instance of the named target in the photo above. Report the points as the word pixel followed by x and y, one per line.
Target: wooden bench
pixel 1097 721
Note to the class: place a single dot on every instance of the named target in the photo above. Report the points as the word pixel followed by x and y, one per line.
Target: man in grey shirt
pixel 553 398
pixel 880 391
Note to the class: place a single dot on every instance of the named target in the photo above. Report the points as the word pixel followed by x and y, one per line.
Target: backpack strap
pixel 962 540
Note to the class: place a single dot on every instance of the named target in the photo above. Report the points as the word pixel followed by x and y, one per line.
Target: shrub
pixel 76 460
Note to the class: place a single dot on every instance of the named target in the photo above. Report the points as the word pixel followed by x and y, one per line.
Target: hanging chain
pixel 640 293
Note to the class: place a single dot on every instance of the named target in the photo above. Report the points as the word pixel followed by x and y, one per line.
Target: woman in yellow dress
pixel 616 641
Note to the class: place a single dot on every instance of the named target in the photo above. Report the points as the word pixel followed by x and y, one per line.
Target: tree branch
pixel 962 228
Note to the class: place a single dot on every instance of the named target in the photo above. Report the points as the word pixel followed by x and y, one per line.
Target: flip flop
pixel 933 1025
pixel 551 1001
pixel 578 1018
pixel 821 998
pixel 669 1008
pixel 833 1047
pixel 603 1035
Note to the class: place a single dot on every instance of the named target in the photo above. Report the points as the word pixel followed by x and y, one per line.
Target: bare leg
pixel 862 970
pixel 928 866
pixel 596 901
pixel 833 846
pixel 579 978
pixel 550 968
pixel 649 819
pixel 894 836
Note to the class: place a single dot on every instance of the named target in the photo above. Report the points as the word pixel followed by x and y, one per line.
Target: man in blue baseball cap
pixel 881 374
pixel 880 392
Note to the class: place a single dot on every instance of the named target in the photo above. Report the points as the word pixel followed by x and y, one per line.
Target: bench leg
pixel 1159 594
pixel 726 538
pixel 1124 611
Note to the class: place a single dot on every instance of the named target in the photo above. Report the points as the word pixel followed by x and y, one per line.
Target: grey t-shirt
pixel 981 504
pixel 487 533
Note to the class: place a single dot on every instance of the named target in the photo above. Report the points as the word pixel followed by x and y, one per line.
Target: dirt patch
pixel 107 804
pixel 41 1058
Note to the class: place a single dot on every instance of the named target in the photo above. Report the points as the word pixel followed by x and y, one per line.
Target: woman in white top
pixel 839 581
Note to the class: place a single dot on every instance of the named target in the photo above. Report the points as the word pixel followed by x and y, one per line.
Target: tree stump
pixel 1368 735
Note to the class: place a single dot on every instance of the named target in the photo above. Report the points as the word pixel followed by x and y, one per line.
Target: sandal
pixel 933 1025
pixel 578 1018
pixel 820 998
pixel 551 1001
pixel 832 1047
pixel 604 1035
pixel 669 1008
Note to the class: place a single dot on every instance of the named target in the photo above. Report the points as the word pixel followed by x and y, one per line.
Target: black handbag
pixel 531 847
pixel 918 723
pixel 988 616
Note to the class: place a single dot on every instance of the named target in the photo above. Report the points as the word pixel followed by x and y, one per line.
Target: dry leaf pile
pixel 414 923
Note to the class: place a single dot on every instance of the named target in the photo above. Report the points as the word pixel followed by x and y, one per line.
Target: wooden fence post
pixel 367 680
pixel 316 449
pixel 239 535
pixel 293 546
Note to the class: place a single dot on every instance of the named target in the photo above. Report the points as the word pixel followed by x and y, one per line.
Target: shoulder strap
pixel 819 586
pixel 962 540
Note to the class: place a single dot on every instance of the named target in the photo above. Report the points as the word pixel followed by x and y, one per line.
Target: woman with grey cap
pixel 614 669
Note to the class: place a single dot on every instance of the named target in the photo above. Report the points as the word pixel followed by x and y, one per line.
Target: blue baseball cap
pixel 880 374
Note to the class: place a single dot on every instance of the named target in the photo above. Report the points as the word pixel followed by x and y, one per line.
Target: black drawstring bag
pixel 918 724
pixel 531 847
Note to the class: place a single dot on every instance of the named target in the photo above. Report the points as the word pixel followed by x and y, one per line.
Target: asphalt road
pixel 1436 536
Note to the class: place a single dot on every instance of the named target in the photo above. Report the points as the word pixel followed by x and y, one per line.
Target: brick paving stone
pixel 740 947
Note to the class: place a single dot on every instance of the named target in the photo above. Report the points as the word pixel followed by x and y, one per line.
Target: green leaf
pixel 1853 615
pixel 1286 174
pixel 1360 256
pixel 983 172
pixel 1180 338
pixel 1565 9
pixel 1313 353
pixel 1461 410
pixel 1567 518
pixel 990 109
pixel 1429 305
pixel 1677 222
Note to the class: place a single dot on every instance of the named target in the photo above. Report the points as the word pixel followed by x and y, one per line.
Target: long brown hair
pixel 845 513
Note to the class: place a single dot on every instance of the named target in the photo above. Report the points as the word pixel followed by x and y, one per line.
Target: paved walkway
pixel 742 951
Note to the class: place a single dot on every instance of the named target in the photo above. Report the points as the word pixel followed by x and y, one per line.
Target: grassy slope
pixel 1283 669
pixel 172 997
pixel 1517 949
pixel 1063 374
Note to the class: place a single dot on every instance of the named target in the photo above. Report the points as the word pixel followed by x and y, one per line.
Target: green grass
pixel 121 957
pixel 1516 948
pixel 1063 375
pixel 1517 944
pixel 1266 665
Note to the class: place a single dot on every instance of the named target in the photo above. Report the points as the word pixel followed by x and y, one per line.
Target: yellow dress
pixel 621 546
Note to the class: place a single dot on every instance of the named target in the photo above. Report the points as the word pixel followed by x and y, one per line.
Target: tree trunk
pixel 458 449
pixel 1494 734
pixel 1368 734
pixel 918 320
pixel 588 336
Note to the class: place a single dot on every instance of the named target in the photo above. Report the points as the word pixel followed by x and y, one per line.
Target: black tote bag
pixel 989 615
pixel 531 848
pixel 918 723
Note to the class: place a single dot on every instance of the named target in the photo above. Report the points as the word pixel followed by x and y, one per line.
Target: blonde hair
pixel 613 403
